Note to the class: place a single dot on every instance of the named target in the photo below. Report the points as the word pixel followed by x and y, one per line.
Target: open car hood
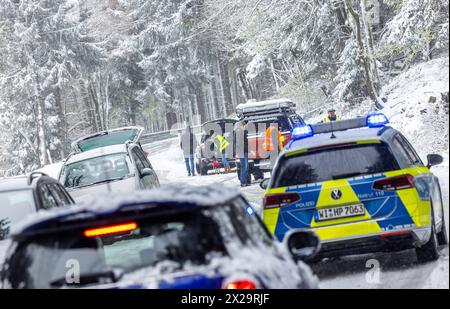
pixel 108 138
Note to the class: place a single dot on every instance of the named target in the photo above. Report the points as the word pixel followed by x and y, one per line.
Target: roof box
pixel 265 107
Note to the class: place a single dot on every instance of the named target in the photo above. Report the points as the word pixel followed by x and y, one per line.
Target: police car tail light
pixel 240 285
pixel 280 200
pixel 377 120
pixel 394 183
pixel 111 230
pixel 302 132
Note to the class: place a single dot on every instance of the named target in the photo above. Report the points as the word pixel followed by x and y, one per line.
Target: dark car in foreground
pixel 26 195
pixel 171 238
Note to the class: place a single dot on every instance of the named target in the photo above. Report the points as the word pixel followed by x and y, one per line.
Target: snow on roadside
pixel 424 123
pixel 408 107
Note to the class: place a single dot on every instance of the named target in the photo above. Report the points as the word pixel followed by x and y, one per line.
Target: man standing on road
pixel 331 116
pixel 242 151
pixel 222 144
pixel 188 143
pixel 272 134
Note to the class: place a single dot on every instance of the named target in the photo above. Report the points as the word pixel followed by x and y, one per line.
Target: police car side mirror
pixel 434 159
pixel 264 184
pixel 303 245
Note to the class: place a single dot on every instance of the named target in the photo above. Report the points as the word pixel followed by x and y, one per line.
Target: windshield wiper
pixel 109 276
pixel 348 175
pixel 102 181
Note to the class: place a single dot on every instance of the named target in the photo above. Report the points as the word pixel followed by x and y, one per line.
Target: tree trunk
pixel 87 102
pixel 274 75
pixel 370 46
pixel 201 103
pixel 246 87
pixel 62 132
pixel 213 84
pixel 43 155
pixel 94 100
pixel 362 57
pixel 107 107
pixel 226 87
pixel 341 15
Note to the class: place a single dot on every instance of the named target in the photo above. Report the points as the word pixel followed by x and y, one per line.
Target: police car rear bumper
pixel 386 241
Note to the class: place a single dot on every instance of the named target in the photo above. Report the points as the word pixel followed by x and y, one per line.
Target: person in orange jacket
pixel 269 144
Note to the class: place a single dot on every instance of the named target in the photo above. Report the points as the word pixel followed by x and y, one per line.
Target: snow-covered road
pixel 399 270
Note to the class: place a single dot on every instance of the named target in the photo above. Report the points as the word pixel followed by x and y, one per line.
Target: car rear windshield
pixel 44 261
pixel 336 163
pixel 112 138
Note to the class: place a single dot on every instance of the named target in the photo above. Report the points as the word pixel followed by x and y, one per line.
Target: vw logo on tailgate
pixel 336 194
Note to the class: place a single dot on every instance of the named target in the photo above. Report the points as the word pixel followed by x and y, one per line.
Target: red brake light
pixel 241 285
pixel 110 229
pixel 395 233
pixel 394 183
pixel 280 200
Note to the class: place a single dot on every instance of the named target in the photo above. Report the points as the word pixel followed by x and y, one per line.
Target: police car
pixel 360 185
pixel 171 238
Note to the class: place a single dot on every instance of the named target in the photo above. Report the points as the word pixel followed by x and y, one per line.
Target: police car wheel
pixel 442 237
pixel 429 252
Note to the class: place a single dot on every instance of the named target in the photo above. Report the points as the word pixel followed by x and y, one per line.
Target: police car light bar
pixel 377 120
pixel 302 132
pixel 371 121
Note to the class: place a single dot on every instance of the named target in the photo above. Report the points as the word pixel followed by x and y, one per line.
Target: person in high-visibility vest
pixel 222 145
pixel 331 116
pixel 269 145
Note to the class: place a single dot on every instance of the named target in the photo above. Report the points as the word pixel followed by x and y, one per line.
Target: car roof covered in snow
pixel 21 182
pixel 341 137
pixel 177 197
pixel 265 103
pixel 98 152
pixel 14 183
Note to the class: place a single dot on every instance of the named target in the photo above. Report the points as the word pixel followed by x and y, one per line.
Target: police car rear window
pixel 331 164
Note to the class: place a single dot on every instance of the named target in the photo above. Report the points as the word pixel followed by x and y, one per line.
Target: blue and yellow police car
pixel 360 185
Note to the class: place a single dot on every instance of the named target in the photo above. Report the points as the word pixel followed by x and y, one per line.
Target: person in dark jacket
pixel 242 151
pixel 188 144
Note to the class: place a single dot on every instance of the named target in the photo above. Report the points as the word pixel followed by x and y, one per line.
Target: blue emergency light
pixel 302 132
pixel 377 120
pixel 371 121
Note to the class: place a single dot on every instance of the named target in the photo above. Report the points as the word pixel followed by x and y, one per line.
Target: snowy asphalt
pixel 396 270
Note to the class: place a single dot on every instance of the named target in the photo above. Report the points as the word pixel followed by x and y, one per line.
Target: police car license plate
pixel 340 212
